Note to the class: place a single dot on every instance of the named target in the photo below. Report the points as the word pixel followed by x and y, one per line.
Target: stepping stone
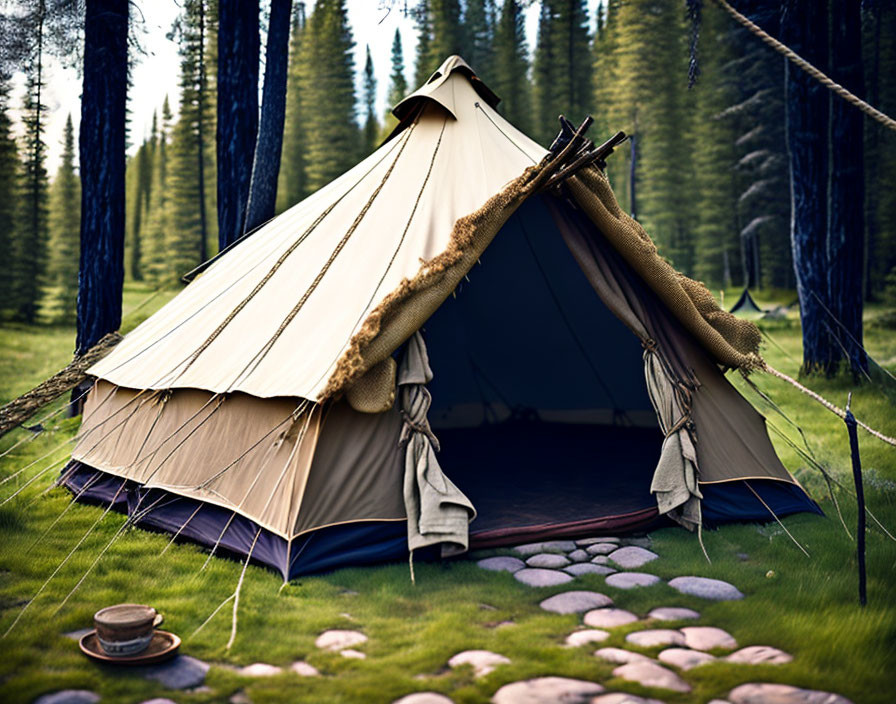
pixel 632 556
pixel 538 577
pixel 424 698
pixel 623 698
pixel 756 693
pixel 259 669
pixel 591 635
pixel 706 588
pixel 353 654
pixel 339 639
pixel 77 635
pixel 707 638
pixel 718 701
pixel 547 690
pixel 528 549
pixel 672 613
pixel 240 697
pixel 601 548
pixel 303 669
pixel 620 656
pixel 600 560
pixel 609 618
pixel 760 655
pixel 630 580
pixel 644 542
pixel 585 542
pixel 482 661
pixel 575 602
pixel 159 700
pixel 502 563
pixel 579 556
pixel 580 568
pixel 548 546
pixel 649 674
pixel 548 559
pixel 683 658
pixel 69 696
pixel 183 672
pixel 654 637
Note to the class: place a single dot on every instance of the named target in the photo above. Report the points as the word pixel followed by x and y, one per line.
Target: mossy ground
pixel 806 606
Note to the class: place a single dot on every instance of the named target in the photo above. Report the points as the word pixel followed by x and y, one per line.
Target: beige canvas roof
pixel 274 316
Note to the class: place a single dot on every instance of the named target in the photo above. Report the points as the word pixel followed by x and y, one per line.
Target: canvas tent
pixel 432 353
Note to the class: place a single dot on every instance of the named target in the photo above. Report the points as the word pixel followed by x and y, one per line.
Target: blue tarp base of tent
pixel 374 542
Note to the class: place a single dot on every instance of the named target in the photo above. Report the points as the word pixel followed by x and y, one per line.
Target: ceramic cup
pixel 125 629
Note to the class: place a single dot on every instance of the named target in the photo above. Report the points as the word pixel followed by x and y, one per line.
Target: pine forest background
pixel 706 171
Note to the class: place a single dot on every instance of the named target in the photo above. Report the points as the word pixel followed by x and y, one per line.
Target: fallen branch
pixel 16 412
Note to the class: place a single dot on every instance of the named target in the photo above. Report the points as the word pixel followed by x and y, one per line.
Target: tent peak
pixel 437 88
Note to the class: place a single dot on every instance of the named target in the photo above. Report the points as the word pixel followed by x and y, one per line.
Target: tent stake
pixel 851 425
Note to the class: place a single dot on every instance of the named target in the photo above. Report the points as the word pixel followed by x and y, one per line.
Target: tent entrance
pixel 539 399
pixel 528 478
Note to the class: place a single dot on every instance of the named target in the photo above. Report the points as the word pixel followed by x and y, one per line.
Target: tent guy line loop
pixel 804 65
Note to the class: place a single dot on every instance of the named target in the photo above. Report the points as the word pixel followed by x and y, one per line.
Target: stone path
pixel 669 653
pixel 659 648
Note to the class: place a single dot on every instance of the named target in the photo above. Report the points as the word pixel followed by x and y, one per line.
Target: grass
pixel 806 606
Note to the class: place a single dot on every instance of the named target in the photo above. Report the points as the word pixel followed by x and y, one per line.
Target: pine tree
pixel 9 190
pixel 881 153
pixel 30 250
pixel 190 157
pixel 371 124
pixel 563 76
pixel 715 206
pixel 510 79
pixel 441 35
pixel 422 64
pixel 648 99
pixel 155 259
pixel 65 225
pixel 398 84
pixel 138 183
pixel 479 37
pixel 757 111
pixel 292 183
pixel 327 94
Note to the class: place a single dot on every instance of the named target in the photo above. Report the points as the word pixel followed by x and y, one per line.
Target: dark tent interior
pixel 539 398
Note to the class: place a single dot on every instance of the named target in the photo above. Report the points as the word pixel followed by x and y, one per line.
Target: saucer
pixel 163 645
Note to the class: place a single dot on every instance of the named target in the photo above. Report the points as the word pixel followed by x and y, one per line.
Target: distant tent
pixel 746 304
pixel 348 384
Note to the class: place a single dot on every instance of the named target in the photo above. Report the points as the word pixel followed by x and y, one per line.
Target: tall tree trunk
pixel 846 232
pixel 266 165
pixel 200 134
pixel 102 159
pixel 804 28
pixel 237 112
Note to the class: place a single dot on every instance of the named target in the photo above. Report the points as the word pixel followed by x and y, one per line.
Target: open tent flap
pixel 438 512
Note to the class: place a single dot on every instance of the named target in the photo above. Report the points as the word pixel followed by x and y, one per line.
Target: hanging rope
pixel 836 410
pixel 801 63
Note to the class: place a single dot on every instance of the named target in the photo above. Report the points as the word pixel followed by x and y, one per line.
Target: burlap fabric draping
pixel 438 512
pixel 731 341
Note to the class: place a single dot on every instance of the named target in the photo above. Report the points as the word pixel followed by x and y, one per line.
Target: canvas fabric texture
pixel 438 512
